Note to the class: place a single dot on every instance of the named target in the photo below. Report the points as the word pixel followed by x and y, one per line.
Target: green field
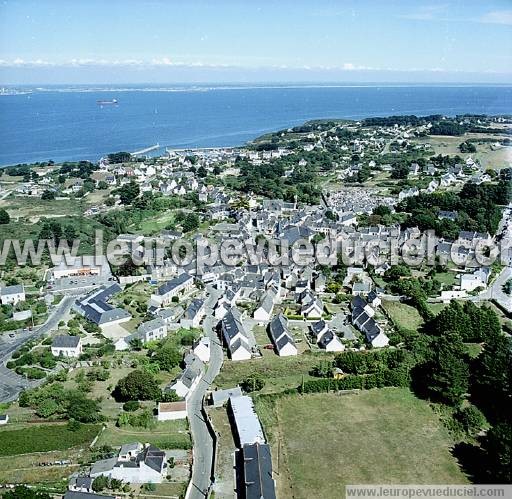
pixel 279 373
pixel 43 438
pixel 378 436
pixel 165 435
pixel 403 315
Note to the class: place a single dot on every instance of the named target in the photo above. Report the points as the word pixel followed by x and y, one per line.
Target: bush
pixel 252 384
pixel 471 419
pixel 131 405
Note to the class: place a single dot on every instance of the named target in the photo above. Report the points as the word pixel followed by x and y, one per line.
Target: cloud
pixel 497 17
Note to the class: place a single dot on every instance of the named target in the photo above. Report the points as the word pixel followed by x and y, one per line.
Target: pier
pixel 146 150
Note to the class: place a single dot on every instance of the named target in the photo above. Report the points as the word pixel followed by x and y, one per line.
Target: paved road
pixel 202 441
pixel 495 290
pixel 11 384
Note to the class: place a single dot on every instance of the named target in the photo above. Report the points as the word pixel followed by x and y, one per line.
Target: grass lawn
pixel 279 373
pixel 166 435
pixel 448 279
pixel 403 315
pixel 437 307
pixel 376 436
pixel 43 438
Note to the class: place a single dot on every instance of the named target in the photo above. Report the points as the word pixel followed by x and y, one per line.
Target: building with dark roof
pixel 256 472
pixel 95 307
pixel 136 463
pixel 66 346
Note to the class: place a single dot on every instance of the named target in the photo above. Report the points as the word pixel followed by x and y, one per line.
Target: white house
pixel 12 295
pixel 66 346
pixel 193 314
pixel 201 348
pixel 168 411
pixel 165 293
pixel 330 342
pixel 283 341
pixel 235 336
pixel 136 463
pixel 478 279
pixel 186 382
pixel 264 311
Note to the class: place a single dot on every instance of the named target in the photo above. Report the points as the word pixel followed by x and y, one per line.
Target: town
pixel 174 379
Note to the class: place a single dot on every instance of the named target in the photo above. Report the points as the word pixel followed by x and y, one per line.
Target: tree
pixel 137 385
pixel 252 384
pixel 446 374
pixel 190 222
pixel 498 447
pixel 23 492
pixel 167 357
pixel 48 195
pixel 83 409
pixel 4 217
pixel 100 483
pixel 492 377
pixel 201 172
pixel 128 193
pixel 471 419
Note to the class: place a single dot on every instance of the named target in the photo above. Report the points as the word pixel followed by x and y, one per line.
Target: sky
pixel 251 41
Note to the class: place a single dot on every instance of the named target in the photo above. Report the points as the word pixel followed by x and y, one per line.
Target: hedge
pixel 385 377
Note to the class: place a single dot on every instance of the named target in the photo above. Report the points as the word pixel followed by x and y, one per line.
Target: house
pixel 193 314
pixel 154 329
pixel 66 346
pixel 220 397
pixel 81 484
pixel 4 419
pixel 135 463
pixel 362 319
pixel 282 339
pixel 201 348
pixel 257 471
pixel 360 288
pixel 95 307
pixel 312 309
pixel 246 422
pixel 12 295
pixel 165 293
pixel 264 311
pixel 325 337
pixel 447 215
pixel 477 279
pixel 168 411
pixel 414 169
pixel 318 329
pixel 235 336
pixel 373 299
pixel 186 382
pixel 80 494
pixel 330 342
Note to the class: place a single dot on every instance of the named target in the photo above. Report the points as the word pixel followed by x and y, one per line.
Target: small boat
pixel 106 102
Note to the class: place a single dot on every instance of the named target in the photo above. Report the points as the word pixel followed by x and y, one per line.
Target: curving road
pixel 202 441
pixel 11 384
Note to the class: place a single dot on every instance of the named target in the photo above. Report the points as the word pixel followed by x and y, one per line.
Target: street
pixel 202 441
pixel 11 384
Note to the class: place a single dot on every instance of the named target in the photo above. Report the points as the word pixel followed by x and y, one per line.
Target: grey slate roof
pixel 258 481
pixel 173 283
pixel 65 341
pixel 11 290
pixel 72 494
